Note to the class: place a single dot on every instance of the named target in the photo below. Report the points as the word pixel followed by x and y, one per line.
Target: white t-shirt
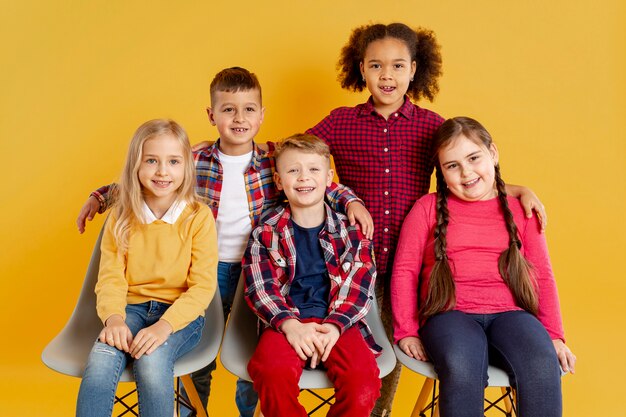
pixel 233 216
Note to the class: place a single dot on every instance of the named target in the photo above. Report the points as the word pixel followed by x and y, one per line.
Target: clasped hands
pixel 117 334
pixel 311 340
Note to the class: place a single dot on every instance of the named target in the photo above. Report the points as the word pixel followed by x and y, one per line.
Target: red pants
pixel 275 369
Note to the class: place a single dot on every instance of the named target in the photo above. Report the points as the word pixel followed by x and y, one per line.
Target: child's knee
pixel 260 370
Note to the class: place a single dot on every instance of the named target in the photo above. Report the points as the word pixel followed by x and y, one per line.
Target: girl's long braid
pixel 441 288
pixel 515 270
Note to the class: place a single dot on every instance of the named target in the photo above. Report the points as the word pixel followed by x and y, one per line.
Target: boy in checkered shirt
pixel 310 279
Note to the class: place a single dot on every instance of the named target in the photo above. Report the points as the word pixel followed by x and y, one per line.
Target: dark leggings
pixel 461 346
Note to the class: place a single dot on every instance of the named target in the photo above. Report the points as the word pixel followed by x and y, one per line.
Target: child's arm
pixel 202 275
pixel 98 202
pixel 112 287
pixel 344 200
pixel 530 202
pixel 264 269
pixel 356 293
pixel 414 237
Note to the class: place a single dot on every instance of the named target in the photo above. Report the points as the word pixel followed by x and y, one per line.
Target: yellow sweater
pixel 160 266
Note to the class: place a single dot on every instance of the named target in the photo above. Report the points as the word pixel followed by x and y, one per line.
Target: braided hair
pixel 515 270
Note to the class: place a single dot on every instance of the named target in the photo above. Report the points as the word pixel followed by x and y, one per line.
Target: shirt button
pixel 386 211
pixel 386 149
pixel 385 249
pixel 385 130
pixel 386 192
pixel 387 171
pixel 396 114
pixel 386 229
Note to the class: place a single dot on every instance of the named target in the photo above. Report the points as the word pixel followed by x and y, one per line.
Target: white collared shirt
pixel 171 215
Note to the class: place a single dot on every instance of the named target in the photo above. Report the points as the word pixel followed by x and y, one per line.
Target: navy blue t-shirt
pixel 311 285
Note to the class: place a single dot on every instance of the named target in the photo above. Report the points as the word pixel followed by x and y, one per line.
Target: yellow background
pixel 547 78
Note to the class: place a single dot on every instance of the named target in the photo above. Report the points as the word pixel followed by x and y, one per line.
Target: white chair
pixel 428 397
pixel 67 353
pixel 241 338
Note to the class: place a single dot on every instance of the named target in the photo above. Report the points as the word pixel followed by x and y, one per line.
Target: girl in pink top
pixel 472 283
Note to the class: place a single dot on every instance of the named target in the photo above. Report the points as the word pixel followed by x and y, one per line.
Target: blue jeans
pixel 245 396
pixel 462 345
pixel 154 373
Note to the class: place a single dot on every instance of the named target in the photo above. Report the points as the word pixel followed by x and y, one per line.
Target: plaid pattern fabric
pixel 259 180
pixel 386 162
pixel 269 266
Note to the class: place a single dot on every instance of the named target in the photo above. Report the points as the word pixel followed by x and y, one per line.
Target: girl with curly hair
pixel 382 147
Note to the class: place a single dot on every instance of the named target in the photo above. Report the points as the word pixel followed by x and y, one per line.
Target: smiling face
pixel 469 168
pixel 238 116
pixel 388 69
pixel 303 177
pixel 161 171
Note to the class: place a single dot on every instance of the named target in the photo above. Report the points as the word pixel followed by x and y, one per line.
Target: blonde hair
pixel 303 142
pixel 129 205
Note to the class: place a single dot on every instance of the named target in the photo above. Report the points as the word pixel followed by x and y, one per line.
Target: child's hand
pixel 303 337
pixel 149 338
pixel 412 347
pixel 530 202
pixel 566 357
pixel 116 333
pixel 328 339
pixel 88 211
pixel 358 213
pixel 202 145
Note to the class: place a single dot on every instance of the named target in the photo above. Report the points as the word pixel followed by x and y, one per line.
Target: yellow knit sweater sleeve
pixel 112 286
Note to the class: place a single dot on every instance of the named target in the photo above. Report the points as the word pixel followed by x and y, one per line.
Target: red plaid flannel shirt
pixel 386 162
pixel 269 266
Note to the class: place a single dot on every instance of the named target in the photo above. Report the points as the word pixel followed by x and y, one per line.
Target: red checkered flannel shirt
pixel 386 162
pixel 259 179
pixel 269 266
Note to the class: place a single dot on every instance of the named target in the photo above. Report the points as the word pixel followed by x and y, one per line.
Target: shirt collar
pixel 171 215
pixel 331 222
pixel 406 109
pixel 255 162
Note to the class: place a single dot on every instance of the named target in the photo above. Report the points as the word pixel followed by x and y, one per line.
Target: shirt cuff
pixel 101 200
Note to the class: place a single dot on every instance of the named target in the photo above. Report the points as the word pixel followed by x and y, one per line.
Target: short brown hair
pixel 234 79
pixel 303 142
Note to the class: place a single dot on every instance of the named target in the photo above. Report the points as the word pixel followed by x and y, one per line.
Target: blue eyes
pixel 152 161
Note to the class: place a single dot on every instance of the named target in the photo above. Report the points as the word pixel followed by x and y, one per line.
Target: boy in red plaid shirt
pixel 310 279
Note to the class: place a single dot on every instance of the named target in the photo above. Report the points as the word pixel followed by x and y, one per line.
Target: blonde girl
pixel 157 274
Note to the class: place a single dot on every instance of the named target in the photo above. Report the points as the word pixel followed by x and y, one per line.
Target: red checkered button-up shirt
pixel 386 162
pixel 269 266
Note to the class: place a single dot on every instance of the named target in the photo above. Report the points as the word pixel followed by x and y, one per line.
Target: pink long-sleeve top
pixel 476 237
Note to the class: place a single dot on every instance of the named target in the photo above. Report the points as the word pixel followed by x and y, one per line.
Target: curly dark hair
pixel 422 46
